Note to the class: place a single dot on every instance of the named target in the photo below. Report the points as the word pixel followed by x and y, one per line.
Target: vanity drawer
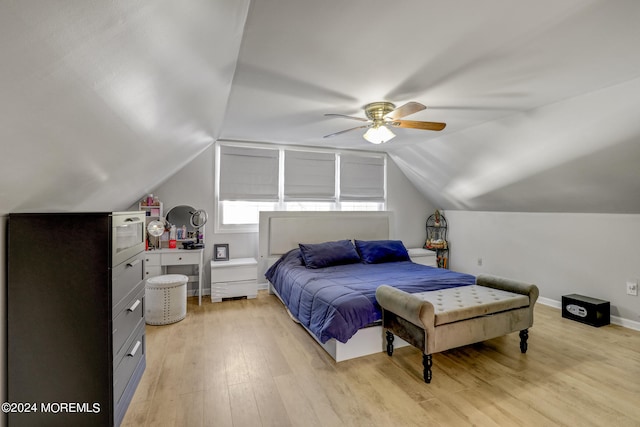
pixel 151 258
pixel 125 277
pixel 152 271
pixel 126 363
pixel 180 258
pixel 127 320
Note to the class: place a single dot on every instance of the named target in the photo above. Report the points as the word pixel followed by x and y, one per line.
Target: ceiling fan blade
pixel 405 110
pixel 347 117
pixel 413 124
pixel 344 131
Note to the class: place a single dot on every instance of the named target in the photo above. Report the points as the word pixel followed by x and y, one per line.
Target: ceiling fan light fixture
pixel 381 116
pixel 378 134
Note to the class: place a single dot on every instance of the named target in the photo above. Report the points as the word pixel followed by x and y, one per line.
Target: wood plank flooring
pixel 245 363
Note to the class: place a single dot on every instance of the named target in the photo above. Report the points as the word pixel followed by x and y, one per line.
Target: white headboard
pixel 280 232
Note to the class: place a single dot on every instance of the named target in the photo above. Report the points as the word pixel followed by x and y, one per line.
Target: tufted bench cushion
pixel 466 302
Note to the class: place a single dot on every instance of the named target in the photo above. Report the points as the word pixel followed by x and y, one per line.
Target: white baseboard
pixel 620 321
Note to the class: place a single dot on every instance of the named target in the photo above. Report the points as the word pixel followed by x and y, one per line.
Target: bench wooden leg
pixel 524 336
pixel 427 362
pixel 389 343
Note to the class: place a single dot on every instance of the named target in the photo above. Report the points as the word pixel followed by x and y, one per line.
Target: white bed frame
pixel 280 232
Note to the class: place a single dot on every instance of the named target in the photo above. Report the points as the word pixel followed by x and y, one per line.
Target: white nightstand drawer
pixel 180 258
pixel 220 290
pixel 234 270
pixel 234 274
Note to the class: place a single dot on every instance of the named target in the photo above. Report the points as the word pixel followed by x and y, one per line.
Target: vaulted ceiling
pixel 101 101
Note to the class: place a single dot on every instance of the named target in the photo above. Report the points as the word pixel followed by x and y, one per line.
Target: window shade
pixel 361 177
pixel 248 173
pixel 309 175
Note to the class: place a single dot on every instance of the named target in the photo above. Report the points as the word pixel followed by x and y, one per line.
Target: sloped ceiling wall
pixel 567 157
pixel 102 101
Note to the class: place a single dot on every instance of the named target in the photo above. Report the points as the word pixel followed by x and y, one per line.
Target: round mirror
pixel 181 215
pixel 198 218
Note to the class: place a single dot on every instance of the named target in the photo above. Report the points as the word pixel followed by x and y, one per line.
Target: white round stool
pixel 166 299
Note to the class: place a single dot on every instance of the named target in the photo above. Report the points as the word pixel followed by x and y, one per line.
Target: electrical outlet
pixel 632 288
pixel 479 262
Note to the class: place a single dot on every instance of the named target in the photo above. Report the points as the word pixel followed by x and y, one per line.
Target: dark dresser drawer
pixel 125 277
pixel 125 363
pixel 126 322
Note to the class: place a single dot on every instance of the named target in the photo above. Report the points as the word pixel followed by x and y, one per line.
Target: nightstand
pixel 423 256
pixel 234 278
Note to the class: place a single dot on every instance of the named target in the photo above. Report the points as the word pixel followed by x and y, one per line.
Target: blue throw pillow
pixel 327 254
pixel 379 251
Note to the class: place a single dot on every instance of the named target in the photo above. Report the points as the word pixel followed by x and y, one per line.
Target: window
pixel 309 175
pixel 248 173
pixel 251 178
pixel 362 177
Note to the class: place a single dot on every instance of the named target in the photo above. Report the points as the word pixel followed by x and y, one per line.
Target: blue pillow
pixel 379 251
pixel 327 254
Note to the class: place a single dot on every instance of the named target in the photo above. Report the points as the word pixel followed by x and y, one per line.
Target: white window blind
pixel 309 175
pixel 361 177
pixel 248 173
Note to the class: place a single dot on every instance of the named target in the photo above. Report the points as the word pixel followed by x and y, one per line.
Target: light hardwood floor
pixel 245 363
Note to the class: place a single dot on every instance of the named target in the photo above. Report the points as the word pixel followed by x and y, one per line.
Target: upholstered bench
pixel 440 320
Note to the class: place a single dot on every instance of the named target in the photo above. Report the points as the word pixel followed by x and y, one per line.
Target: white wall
pixel 411 209
pixel 194 185
pixel 562 253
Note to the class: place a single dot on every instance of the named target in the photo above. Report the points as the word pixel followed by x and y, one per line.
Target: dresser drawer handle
pixel 135 349
pixel 132 263
pixel 134 306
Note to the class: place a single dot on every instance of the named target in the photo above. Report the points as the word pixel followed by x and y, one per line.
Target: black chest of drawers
pixel 75 321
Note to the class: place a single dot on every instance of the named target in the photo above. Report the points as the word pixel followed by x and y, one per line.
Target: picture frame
pixel 221 252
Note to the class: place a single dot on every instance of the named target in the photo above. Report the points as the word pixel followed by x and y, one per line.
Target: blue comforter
pixel 334 302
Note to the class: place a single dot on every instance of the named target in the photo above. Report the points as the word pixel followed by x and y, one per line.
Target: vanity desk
pixel 157 260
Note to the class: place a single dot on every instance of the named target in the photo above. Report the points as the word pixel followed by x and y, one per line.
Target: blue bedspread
pixel 334 302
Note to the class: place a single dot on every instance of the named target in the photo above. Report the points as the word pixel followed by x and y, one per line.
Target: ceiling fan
pixel 382 115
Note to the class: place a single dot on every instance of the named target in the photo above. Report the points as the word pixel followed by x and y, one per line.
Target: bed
pixel 336 301
pixel 279 232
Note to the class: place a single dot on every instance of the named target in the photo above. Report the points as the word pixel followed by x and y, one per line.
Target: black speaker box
pixel 592 311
